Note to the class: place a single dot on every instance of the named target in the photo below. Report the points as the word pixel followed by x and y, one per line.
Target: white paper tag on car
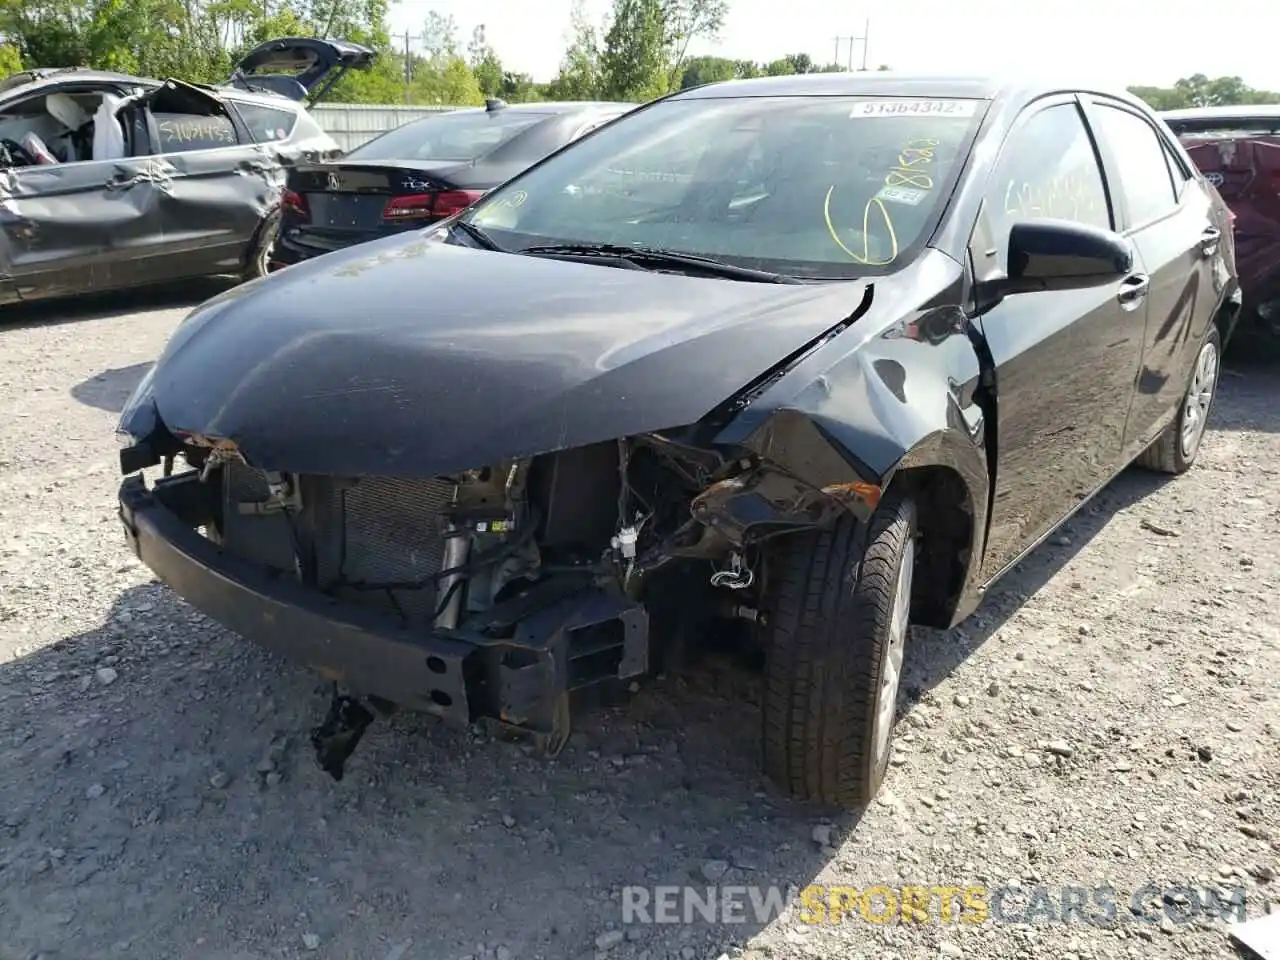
pixel 914 107
pixel 908 195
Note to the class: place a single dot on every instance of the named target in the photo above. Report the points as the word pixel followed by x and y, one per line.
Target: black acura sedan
pixel 821 356
pixel 422 172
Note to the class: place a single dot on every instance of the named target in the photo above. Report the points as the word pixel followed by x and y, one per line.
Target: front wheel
pixel 1174 451
pixel 838 606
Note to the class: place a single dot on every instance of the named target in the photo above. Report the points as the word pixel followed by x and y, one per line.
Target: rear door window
pixel 267 124
pixel 459 136
pixel 184 132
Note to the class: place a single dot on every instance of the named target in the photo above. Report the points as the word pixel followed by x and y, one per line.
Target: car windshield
pixel 813 187
pixel 463 136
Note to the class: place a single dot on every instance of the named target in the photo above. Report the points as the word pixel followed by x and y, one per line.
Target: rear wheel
pixel 839 604
pixel 259 260
pixel 1174 451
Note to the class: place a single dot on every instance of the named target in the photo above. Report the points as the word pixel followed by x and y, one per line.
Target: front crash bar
pixel 522 681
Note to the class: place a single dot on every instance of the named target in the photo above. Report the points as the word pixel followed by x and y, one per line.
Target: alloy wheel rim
pixel 895 650
pixel 1199 399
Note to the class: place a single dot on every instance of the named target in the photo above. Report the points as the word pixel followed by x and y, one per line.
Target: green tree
pixel 484 63
pixel 700 70
pixel 579 77
pixel 440 35
pixel 197 40
pixel 801 63
pixel 10 60
pixel 442 76
pixel 519 88
pixel 1199 90
pixel 1160 98
pixel 684 21
pixel 633 65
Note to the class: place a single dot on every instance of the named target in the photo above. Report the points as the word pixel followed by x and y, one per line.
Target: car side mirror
pixel 1058 255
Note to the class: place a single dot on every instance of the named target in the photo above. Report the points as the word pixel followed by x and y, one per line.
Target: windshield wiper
pixel 476 234
pixel 649 257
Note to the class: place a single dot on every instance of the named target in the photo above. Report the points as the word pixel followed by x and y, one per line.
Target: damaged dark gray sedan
pixel 818 356
pixel 110 181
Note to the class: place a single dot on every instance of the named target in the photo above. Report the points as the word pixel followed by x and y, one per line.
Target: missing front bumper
pixel 518 669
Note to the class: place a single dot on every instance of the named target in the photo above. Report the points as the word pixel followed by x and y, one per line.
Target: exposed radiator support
pixel 457 546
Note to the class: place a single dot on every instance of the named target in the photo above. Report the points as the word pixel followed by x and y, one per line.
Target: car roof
pixel 1013 87
pixel 549 107
pixel 58 75
pixel 880 82
pixel 51 76
pixel 1233 112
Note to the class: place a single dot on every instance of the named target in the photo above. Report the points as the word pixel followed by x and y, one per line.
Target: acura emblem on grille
pixel 335 182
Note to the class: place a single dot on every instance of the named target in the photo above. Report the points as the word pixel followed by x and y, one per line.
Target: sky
pixel 1112 42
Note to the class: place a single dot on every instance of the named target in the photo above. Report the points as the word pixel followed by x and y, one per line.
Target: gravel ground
pixel 1108 718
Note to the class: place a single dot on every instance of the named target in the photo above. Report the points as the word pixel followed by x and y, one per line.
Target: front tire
pixel 838 606
pixel 1174 451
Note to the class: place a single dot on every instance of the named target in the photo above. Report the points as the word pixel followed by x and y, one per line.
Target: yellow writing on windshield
pixel 908 182
pixel 874 210
pixel 912 167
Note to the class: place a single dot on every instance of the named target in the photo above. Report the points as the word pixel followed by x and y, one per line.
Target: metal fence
pixel 352 124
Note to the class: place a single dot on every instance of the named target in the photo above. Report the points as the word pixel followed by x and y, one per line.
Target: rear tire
pixel 838 605
pixel 1175 450
pixel 258 263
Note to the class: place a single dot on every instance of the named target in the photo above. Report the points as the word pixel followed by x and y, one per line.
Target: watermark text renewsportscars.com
pixel 1101 906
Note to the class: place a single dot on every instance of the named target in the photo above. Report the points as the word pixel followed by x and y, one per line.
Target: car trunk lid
pixel 333 205
pixel 300 68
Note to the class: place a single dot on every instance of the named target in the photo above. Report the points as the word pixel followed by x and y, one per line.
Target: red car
pixel 1237 149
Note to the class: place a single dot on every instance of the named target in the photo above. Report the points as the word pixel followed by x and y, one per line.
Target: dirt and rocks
pixel 1108 720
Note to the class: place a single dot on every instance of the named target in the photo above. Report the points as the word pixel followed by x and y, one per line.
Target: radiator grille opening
pixel 384 530
pixel 364 531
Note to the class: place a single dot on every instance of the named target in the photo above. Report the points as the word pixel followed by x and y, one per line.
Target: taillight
pixel 408 207
pixel 455 201
pixel 415 206
pixel 294 202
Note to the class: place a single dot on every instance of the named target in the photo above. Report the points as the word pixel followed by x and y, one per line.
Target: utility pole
pixel 408 67
pixel 866 33
pixel 839 40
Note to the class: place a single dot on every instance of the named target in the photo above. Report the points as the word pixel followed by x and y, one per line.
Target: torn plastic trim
pixel 766 502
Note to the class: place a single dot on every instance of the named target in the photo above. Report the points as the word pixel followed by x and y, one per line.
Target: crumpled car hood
pixel 411 356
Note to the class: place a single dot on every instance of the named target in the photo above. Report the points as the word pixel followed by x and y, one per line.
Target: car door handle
pixel 1133 290
pixel 1209 241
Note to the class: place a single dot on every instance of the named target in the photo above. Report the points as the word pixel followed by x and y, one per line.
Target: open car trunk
pixel 300 68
